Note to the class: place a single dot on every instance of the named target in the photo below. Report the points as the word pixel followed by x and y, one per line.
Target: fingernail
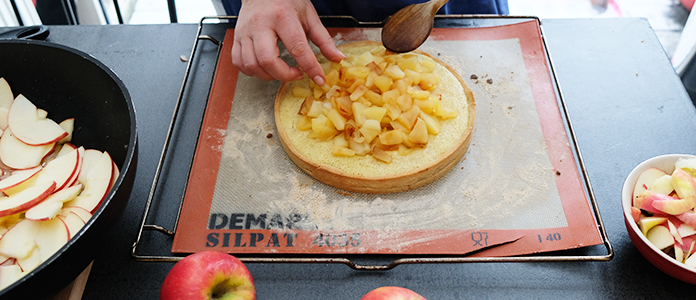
pixel 299 77
pixel 319 80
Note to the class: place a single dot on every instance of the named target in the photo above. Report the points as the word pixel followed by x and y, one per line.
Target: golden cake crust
pixel 365 174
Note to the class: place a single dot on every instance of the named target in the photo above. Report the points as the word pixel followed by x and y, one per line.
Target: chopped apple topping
pixel 373 103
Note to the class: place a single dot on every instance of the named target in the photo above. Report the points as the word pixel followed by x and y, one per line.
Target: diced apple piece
pixel 647 223
pixel 647 198
pixel 24 121
pixel 358 113
pixel 95 184
pixel 432 123
pixel 342 151
pixel 678 254
pixel 688 218
pixel 316 109
pixel 52 235
pixel 68 125
pixel 381 155
pixel 687 164
pixel 419 134
pixel 394 72
pixel 18 242
pixel 391 137
pixel 404 101
pixel 300 92
pixel 662 185
pixel 370 129
pixel 635 213
pixel 660 237
pixel 410 63
pixel 338 121
pixel 409 117
pixel 9 275
pixel 26 199
pixel 675 233
pixel 374 113
pixel 322 128
pixel 53 204
pixel 686 230
pixel 18 177
pixel 360 148
pixel 672 207
pixel 383 83
pixel 685 187
pixel 691 261
pixel 18 155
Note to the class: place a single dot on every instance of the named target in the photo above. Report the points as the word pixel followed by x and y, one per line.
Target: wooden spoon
pixel 409 27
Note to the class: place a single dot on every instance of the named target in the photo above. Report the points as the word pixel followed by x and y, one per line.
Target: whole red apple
pixel 208 275
pixel 392 293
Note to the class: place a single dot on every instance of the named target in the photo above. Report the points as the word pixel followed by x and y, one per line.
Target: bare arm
pixel 262 23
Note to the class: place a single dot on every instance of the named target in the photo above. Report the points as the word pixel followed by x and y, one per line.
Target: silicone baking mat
pixel 516 191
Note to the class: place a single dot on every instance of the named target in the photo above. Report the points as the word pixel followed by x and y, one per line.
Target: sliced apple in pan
pixel 26 123
pixel 74 224
pixel 89 159
pixel 9 274
pixel 81 152
pixel 18 242
pixel 68 125
pixel 30 262
pixel 95 183
pixel 18 177
pixel 18 155
pixel 53 204
pixel 6 95
pixel 59 169
pixel 25 199
pixel 84 214
pixel 52 235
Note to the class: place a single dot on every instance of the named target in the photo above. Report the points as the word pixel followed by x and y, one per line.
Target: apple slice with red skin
pixel 79 211
pixel 74 223
pixel 18 177
pixel 89 159
pixel 25 199
pixel 53 204
pixel 18 242
pixel 95 183
pixel 59 169
pixel 645 180
pixel 52 235
pixel 18 155
pixel 646 201
pixel 73 179
pixel 10 274
pixel 392 293
pixel 206 273
pixel 29 127
pixel 6 95
pixel 30 262
pixel 68 125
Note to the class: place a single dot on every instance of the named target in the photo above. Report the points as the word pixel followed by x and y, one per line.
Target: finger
pixel 267 53
pixel 237 57
pixel 298 46
pixel 250 62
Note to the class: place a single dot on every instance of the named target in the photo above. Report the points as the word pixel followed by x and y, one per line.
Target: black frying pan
pixel 69 83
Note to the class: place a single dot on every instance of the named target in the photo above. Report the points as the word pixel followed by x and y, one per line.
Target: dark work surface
pixel 625 102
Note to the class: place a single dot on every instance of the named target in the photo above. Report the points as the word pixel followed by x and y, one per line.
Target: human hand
pixel 262 23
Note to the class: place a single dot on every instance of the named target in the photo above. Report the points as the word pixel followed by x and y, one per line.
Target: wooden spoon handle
pixel 437 4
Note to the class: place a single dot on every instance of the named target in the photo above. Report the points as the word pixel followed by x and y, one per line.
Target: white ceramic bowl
pixel 658 258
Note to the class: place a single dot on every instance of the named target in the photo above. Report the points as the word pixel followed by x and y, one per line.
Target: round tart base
pixel 365 174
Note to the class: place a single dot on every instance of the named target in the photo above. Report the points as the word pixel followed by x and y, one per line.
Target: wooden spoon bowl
pixel 409 27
